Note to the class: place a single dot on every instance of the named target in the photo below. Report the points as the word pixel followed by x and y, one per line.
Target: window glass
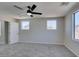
pixel 25 25
pixel 51 24
pixel 77 25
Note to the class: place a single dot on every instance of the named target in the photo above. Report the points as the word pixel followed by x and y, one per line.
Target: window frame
pixel 52 28
pixel 73 26
pixel 22 25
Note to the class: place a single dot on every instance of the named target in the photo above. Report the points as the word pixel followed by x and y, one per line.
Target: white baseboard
pixel 71 50
pixel 44 43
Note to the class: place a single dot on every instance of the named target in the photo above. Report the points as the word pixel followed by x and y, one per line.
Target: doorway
pixel 11 32
pixel 6 32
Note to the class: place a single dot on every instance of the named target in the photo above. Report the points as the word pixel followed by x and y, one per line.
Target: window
pixel 76 18
pixel 0 28
pixel 25 25
pixel 51 24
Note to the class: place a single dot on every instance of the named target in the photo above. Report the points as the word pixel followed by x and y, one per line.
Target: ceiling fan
pixel 30 10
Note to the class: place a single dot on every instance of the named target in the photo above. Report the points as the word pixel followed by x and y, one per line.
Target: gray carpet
pixel 34 50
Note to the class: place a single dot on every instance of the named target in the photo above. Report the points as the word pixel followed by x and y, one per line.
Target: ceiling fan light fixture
pixel 30 10
pixel 29 14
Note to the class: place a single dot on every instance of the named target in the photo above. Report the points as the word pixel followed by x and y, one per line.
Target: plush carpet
pixel 34 50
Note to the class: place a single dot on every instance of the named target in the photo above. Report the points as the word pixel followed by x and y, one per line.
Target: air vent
pixel 64 3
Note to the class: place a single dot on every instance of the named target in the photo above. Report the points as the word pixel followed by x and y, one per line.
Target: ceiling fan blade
pixel 28 11
pixel 18 7
pixel 33 7
pixel 36 13
pixel 29 7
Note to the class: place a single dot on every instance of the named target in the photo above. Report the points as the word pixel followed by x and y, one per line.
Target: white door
pixel 13 32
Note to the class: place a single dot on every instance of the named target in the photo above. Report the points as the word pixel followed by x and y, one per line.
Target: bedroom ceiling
pixel 49 9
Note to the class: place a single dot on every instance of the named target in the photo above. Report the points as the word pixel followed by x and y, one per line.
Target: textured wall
pixel 69 41
pixel 38 32
pixel 2 36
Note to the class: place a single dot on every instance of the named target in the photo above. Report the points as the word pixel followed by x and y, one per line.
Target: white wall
pixel 2 20
pixel 69 42
pixel 38 32
pixel 13 32
pixel 2 36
